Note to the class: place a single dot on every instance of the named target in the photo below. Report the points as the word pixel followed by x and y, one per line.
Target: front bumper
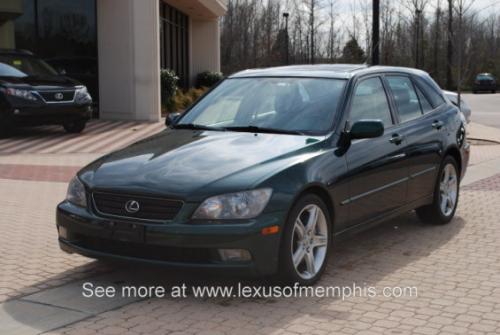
pixel 49 114
pixel 187 245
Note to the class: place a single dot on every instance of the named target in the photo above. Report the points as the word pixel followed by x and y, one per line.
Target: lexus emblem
pixel 58 96
pixel 132 206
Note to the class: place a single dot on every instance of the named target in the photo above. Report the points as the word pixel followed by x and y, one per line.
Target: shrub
pixel 208 78
pixel 182 100
pixel 169 81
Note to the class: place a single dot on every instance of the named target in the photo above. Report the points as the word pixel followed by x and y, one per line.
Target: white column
pixel 204 46
pixel 129 59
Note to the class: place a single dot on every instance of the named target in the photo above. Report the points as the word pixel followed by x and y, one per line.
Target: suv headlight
pixel 76 193
pixel 240 205
pixel 19 93
pixel 82 95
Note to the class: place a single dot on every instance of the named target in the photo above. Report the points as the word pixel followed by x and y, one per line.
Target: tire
pixel 314 259
pixel 474 92
pixel 494 91
pixel 438 212
pixel 6 127
pixel 75 127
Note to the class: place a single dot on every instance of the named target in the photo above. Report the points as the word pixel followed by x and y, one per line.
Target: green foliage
pixel 182 100
pixel 208 78
pixel 352 52
pixel 169 82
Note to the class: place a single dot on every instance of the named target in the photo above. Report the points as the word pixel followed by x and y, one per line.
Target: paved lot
pixel 485 108
pixel 456 268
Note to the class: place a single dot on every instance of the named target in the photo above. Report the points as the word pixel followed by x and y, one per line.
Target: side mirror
pixel 366 129
pixel 171 119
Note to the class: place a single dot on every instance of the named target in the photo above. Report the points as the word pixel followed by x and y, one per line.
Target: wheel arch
pixel 454 152
pixel 320 191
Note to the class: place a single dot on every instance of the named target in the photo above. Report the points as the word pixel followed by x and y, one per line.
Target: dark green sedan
pixel 268 169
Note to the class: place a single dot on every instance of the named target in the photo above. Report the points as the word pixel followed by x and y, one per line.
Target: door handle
pixel 396 139
pixel 437 124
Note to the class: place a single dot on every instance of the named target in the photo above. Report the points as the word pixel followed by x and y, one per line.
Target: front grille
pixel 57 96
pixel 150 208
pixel 485 82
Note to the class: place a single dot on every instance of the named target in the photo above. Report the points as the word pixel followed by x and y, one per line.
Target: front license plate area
pixel 128 232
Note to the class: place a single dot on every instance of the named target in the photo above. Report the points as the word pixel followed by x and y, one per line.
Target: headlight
pixel 82 95
pixel 76 193
pixel 19 93
pixel 240 205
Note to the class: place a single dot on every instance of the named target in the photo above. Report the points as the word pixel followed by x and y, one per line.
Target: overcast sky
pixel 485 6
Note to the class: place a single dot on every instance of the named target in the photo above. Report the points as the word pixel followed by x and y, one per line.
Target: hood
pixel 181 163
pixel 49 82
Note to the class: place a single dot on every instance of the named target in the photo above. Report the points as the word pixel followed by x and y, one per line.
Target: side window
pixel 405 97
pixel 426 105
pixel 370 102
pixel 435 98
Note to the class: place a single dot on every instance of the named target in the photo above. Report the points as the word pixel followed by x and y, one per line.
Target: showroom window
pixel 61 32
pixel 174 42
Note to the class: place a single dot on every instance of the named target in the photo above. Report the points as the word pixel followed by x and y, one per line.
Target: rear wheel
pixel 446 194
pixel 75 127
pixel 306 241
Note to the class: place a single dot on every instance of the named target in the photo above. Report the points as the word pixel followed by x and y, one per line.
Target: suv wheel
pixel 75 127
pixel 446 194
pixel 306 241
pixel 5 126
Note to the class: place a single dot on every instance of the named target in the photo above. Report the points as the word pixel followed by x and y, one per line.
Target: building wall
pixel 7 35
pixel 129 60
pixel 204 46
pixel 129 53
pixel 9 10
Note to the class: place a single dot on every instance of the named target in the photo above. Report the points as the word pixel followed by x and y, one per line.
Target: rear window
pixel 435 98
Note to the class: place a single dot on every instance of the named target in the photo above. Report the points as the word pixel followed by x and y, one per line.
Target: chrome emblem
pixel 58 96
pixel 132 206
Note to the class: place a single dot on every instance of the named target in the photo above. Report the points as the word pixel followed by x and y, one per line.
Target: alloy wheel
pixel 309 241
pixel 448 190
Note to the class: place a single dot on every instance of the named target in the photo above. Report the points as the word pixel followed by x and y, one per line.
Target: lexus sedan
pixel 32 93
pixel 267 170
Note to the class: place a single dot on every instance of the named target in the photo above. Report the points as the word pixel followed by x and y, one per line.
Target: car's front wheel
pixel 446 195
pixel 306 241
pixel 75 127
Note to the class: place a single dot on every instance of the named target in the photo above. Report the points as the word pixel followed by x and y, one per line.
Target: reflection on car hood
pixel 183 162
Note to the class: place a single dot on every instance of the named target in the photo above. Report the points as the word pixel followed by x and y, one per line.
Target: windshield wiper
pixel 196 127
pixel 256 129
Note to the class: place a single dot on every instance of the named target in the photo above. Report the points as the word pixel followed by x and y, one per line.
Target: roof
pixel 339 71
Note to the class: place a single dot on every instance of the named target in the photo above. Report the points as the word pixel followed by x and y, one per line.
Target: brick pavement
pixel 456 269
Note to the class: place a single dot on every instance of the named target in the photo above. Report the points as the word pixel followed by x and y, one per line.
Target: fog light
pixel 63 232
pixel 16 111
pixel 239 255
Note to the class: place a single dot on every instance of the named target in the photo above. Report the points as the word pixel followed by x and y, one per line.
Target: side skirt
pixel 341 235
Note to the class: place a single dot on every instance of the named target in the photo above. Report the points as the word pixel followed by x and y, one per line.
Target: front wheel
pixel 306 241
pixel 446 194
pixel 75 127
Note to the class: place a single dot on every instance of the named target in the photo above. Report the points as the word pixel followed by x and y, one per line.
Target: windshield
pixel 305 105
pixel 484 76
pixel 24 66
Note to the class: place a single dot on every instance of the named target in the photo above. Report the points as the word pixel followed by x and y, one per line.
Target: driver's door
pixel 378 173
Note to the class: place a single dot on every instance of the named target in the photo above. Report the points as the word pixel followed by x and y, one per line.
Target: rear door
pixel 377 168
pixel 422 126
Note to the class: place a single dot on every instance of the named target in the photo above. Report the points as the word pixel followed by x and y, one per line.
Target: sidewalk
pixel 484 133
